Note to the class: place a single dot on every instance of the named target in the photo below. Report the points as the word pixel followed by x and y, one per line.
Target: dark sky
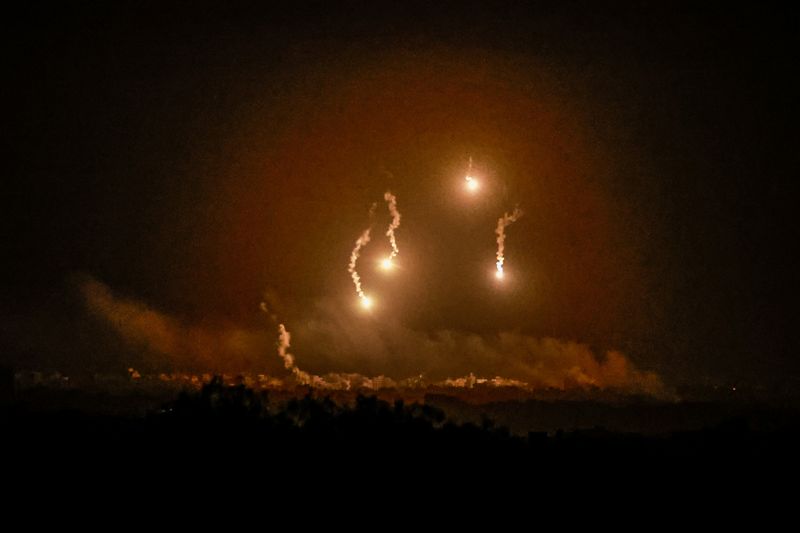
pixel 193 156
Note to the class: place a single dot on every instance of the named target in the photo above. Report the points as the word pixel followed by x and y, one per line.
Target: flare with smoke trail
pixel 391 202
pixel 360 243
pixel 502 223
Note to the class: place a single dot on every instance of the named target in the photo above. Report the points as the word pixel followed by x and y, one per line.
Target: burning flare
pixel 502 223
pixel 472 183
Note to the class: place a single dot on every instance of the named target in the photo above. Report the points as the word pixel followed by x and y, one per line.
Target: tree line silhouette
pixel 234 423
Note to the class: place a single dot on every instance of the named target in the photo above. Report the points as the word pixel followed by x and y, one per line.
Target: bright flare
pixel 499 274
pixel 472 183
pixel 387 264
pixel 366 302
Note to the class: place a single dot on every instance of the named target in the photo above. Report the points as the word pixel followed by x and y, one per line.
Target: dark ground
pixel 241 428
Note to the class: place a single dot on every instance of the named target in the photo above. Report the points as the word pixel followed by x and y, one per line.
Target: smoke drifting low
pixel 166 342
pixel 334 349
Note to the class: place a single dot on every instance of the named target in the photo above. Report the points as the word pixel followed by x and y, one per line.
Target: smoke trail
pixel 502 223
pixel 284 340
pixel 360 243
pixel 391 201
pixel 272 316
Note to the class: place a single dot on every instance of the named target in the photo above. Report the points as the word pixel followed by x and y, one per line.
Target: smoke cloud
pixel 333 341
pixel 340 351
pixel 166 342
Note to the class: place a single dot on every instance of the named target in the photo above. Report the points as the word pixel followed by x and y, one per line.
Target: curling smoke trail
pixel 391 201
pixel 284 341
pixel 502 223
pixel 351 267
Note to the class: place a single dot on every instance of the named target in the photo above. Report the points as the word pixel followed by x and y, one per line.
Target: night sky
pixel 200 158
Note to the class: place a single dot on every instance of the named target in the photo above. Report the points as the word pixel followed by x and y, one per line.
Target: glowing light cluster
pixel 387 264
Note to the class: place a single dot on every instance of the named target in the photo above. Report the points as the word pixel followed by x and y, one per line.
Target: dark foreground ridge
pixel 235 425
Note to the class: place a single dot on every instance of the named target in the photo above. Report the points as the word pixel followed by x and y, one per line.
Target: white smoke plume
pixel 502 223
pixel 284 341
pixel 391 202
pixel 166 341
